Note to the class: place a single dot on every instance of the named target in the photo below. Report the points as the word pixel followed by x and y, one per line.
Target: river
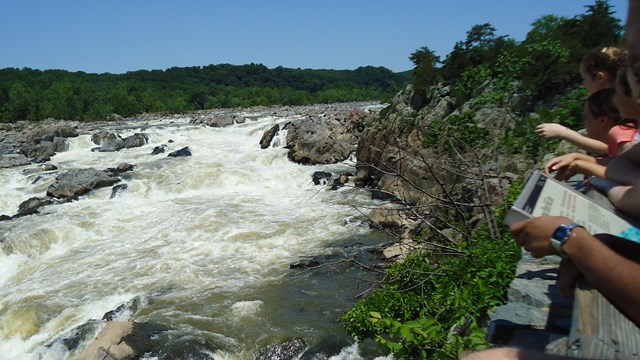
pixel 200 245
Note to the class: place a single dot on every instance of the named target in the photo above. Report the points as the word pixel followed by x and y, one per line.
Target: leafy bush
pixel 464 128
pixel 430 303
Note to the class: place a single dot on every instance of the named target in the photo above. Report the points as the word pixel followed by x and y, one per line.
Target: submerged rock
pixel 321 177
pixel 158 150
pixel 287 350
pixel 185 151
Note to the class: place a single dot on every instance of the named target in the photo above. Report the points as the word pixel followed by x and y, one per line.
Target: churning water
pixel 201 245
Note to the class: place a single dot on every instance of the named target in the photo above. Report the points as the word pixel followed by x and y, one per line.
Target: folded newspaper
pixel 543 195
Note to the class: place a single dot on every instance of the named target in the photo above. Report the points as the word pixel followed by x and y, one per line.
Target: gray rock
pixel 79 182
pixel 136 140
pixel 43 151
pixel 116 189
pixel 11 160
pixel 288 350
pixel 111 145
pixel 514 314
pixel 539 293
pixel 321 177
pixel 268 135
pixel 185 151
pixel 339 182
pixel 158 150
pixel 32 205
pixel 220 121
pixel 98 137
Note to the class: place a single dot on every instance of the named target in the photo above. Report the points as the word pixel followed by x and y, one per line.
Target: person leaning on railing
pixel 609 263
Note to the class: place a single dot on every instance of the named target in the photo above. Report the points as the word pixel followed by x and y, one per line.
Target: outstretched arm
pixel 557 131
pixel 614 275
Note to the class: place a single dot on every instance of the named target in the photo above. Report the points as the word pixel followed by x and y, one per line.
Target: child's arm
pixel 568 165
pixel 553 130
pixel 588 168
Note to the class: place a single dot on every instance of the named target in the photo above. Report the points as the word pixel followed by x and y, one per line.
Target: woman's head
pixel 600 114
pixel 599 68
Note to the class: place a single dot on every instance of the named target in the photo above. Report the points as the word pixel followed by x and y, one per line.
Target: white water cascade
pixel 200 244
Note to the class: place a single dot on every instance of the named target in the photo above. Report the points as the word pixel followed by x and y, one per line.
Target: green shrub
pixel 429 294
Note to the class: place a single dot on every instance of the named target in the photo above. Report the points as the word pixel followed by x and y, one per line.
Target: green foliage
pixel 522 139
pixel 545 64
pixel 461 128
pixel 429 303
pixel 426 296
pixel 27 94
pixel 425 71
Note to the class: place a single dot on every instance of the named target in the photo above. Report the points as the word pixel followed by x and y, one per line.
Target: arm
pixel 588 168
pixel 565 165
pixel 625 168
pixel 614 275
pixel 552 130
pixel 632 33
pixel 626 198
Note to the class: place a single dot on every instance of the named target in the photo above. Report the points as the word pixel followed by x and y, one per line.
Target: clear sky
pixel 123 35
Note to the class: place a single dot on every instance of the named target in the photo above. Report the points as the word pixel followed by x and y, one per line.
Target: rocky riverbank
pixel 317 134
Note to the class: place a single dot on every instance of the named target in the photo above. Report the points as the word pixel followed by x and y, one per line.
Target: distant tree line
pixel 29 94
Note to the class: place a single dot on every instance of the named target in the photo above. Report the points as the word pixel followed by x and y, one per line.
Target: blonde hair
pixel 607 60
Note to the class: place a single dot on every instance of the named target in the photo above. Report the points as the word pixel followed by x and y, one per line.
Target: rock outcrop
pixel 37 142
pixel 326 139
pixel 400 164
pixel 79 182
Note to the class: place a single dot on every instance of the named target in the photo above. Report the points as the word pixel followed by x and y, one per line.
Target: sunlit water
pixel 200 244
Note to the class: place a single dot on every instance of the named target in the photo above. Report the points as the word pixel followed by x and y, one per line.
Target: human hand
pixel 564 166
pixel 535 234
pixel 550 130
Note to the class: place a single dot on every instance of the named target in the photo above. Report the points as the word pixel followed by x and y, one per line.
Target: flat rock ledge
pixel 537 317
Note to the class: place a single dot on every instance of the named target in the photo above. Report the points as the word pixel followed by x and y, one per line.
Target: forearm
pixel 615 276
pixel 632 33
pixel 589 168
pixel 584 142
pixel 622 170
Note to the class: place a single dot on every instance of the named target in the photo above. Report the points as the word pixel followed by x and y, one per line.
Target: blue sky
pixel 124 35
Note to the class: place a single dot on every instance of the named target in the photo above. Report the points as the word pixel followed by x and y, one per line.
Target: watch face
pixel 561 233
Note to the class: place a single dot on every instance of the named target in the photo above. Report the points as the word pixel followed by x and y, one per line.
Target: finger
pixel 516 231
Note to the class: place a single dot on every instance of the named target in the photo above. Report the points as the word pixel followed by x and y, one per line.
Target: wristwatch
pixel 561 235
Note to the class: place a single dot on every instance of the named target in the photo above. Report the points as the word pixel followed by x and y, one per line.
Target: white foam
pixel 246 308
pixel 228 218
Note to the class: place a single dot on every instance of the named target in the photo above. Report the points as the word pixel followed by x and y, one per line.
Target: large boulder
pixel 319 140
pixel 78 182
pixel 135 140
pixel 11 160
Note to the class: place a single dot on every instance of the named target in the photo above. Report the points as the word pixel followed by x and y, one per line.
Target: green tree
pixel 425 70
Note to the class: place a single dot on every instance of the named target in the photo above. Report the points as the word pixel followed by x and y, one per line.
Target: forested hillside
pixel 28 94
